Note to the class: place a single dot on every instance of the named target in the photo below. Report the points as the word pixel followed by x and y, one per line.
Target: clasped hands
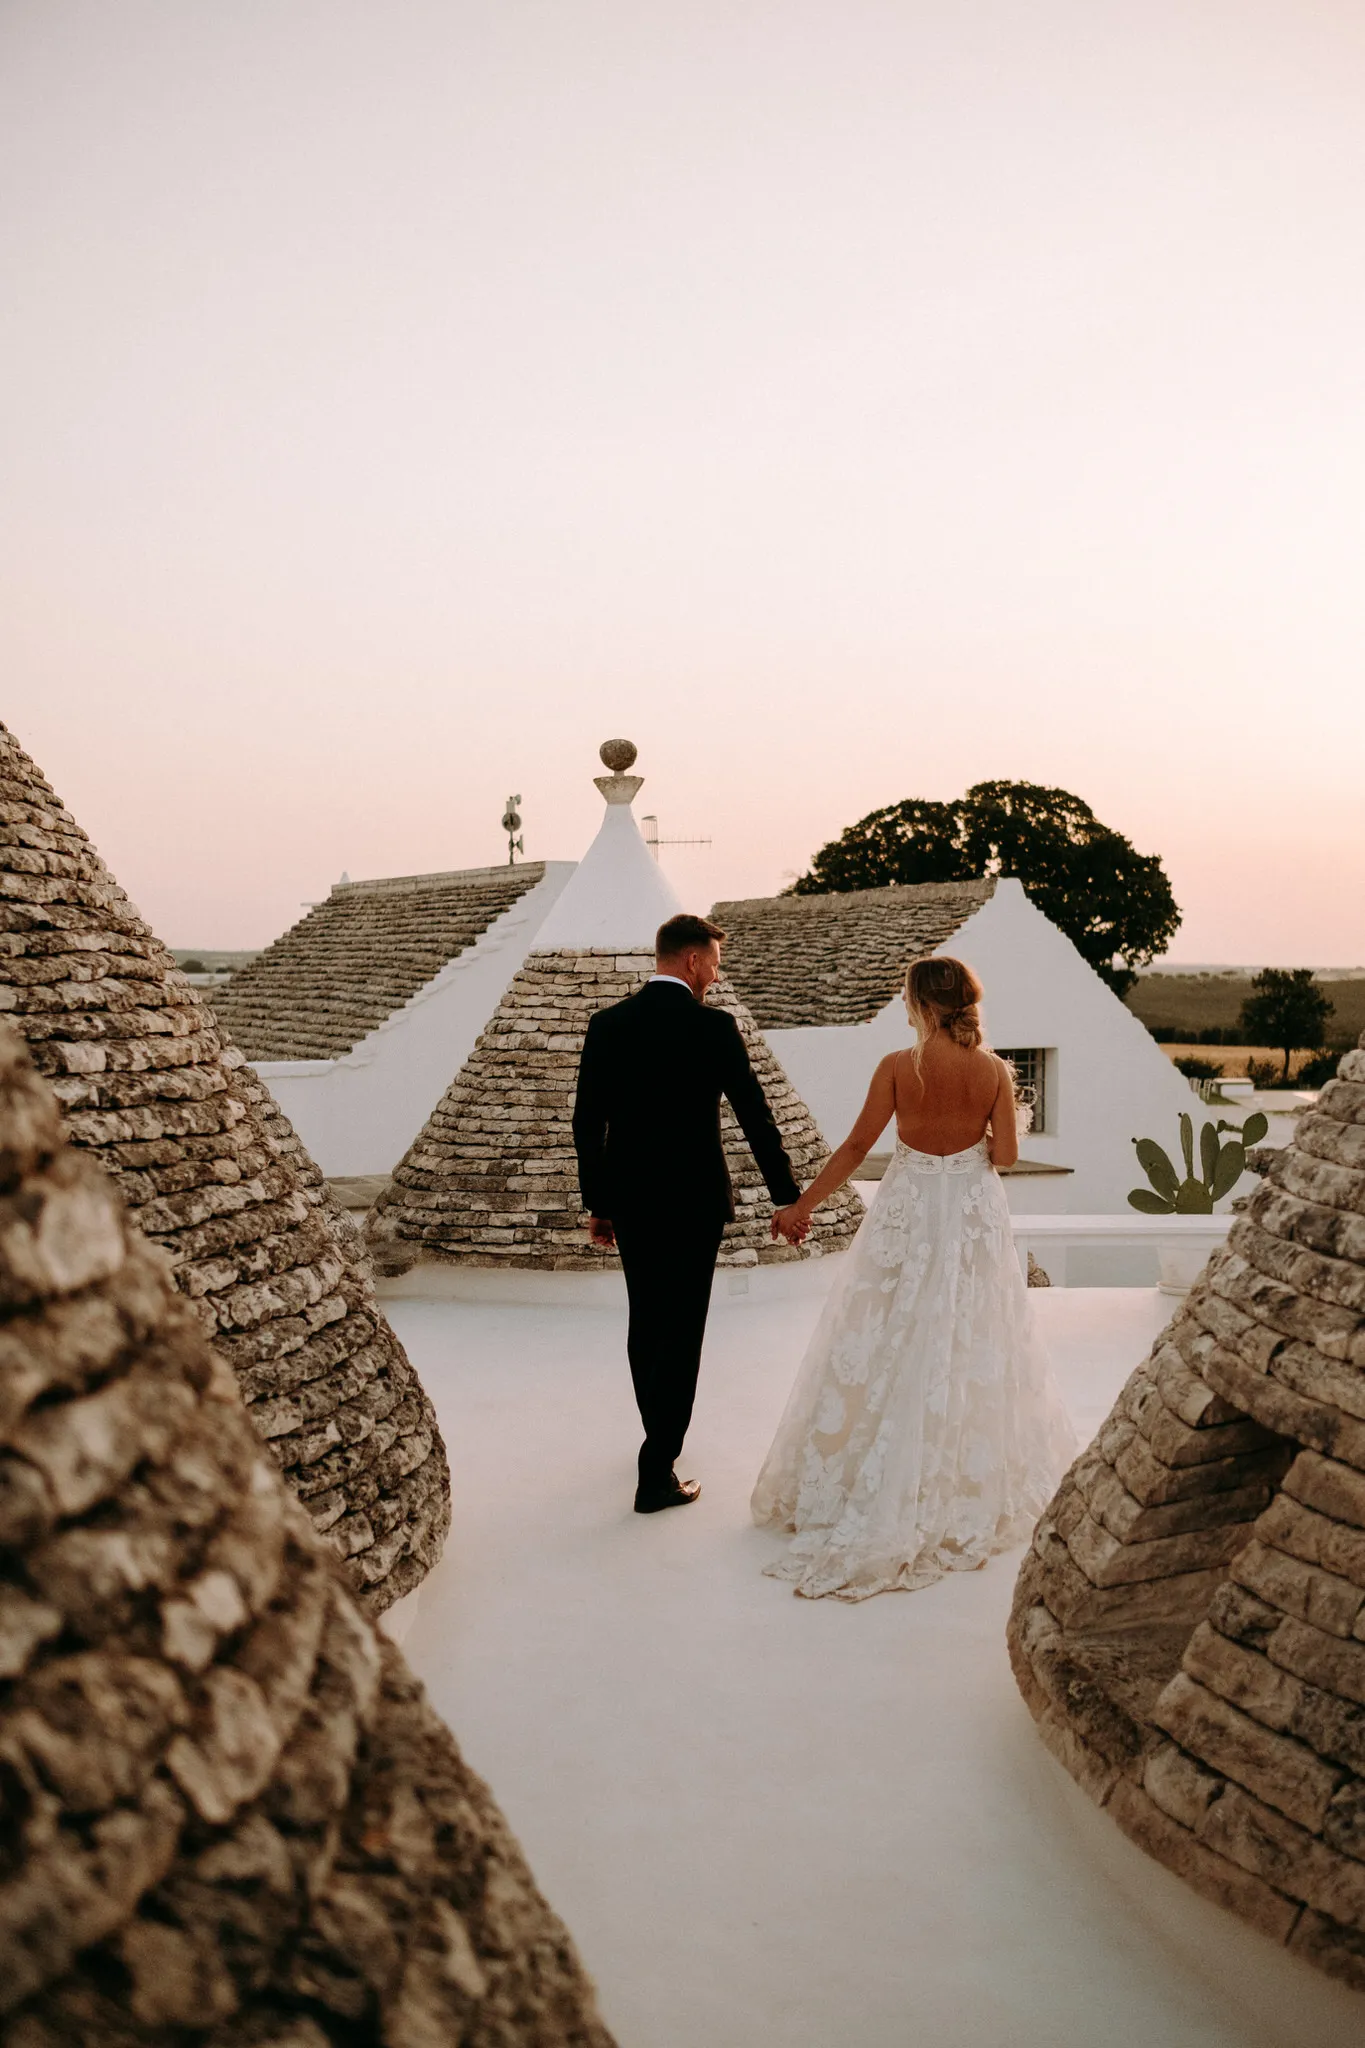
pixel 791 1223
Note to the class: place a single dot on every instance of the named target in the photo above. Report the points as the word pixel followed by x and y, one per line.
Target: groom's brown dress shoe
pixel 674 1493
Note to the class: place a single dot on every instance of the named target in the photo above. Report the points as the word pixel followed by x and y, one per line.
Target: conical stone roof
pixel 1189 1627
pixel 231 1816
pixel 214 1173
pixel 491 1179
pixel 359 956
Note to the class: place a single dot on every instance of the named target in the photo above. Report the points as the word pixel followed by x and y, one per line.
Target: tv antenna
pixel 511 825
pixel 650 825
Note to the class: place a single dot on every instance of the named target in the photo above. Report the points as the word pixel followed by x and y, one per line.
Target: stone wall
pixel 231 1817
pixel 493 1181
pixel 358 957
pixel 214 1174
pixel 839 958
pixel 1189 1628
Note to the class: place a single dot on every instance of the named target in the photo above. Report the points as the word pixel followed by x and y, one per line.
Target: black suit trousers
pixel 669 1269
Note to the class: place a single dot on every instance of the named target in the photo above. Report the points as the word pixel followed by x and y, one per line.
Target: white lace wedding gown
pixel 925 1431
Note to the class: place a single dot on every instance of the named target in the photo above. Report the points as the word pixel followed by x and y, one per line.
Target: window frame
pixel 1033 1078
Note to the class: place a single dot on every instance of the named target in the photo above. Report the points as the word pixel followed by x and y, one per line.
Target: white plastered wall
pixel 358 1114
pixel 1108 1083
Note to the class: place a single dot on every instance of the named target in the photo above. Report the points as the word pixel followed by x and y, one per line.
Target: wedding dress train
pixel 925 1431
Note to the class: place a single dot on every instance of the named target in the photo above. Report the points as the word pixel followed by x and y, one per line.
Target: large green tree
pixel 1287 1009
pixel 1114 903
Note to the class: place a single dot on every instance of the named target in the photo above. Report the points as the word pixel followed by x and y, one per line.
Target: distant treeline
pixel 1207 1034
pixel 1205 1009
pixel 197 960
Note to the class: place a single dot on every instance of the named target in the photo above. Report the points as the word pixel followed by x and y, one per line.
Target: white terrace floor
pixel 774 1821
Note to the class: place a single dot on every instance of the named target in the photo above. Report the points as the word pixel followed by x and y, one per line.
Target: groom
pixel 652 1170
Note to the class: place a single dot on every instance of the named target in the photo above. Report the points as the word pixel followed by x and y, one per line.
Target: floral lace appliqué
pixel 925 1432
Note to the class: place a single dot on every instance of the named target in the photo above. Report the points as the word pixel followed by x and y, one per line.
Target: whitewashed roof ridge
pixel 619 895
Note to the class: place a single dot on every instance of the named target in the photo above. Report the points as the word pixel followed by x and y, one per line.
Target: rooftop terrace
pixel 772 1821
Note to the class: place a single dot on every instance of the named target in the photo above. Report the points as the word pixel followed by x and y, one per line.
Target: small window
pixel 1030 1084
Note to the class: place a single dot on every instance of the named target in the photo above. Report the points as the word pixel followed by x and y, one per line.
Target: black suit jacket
pixel 646 1122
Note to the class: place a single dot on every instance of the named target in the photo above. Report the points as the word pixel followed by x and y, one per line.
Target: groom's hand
pixel 789 1224
pixel 602 1232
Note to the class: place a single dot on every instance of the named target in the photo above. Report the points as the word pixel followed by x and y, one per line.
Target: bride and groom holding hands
pixel 924 1432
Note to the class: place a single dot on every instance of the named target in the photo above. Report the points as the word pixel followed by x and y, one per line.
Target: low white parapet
pixel 1120 1250
pixel 1074 1251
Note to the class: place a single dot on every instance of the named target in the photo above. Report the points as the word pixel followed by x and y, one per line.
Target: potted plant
pixel 1222 1162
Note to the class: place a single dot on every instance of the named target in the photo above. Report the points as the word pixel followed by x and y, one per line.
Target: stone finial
pixel 618 787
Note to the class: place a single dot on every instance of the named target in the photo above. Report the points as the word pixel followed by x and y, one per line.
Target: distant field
pixel 1232 1059
pixel 1191 1003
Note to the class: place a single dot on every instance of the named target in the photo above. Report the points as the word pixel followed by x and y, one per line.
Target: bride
pixel 925 1432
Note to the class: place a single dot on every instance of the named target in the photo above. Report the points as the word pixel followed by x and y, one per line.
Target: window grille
pixel 1030 1083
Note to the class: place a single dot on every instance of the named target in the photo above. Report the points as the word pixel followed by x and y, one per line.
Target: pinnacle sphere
pixel 618 755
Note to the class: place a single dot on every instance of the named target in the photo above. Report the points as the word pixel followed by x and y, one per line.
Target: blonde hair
pixel 942 994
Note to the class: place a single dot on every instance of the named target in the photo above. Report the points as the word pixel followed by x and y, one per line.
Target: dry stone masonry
pixel 231 1817
pixel 359 956
pixel 492 1178
pixel 1189 1627
pixel 839 958
pixel 214 1174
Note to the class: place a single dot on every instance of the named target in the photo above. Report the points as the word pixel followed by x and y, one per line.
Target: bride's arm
pixel 1003 1142
pixel 873 1118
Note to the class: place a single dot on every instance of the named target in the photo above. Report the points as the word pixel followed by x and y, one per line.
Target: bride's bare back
pixel 946 1101
pixel 959 1096
pixel 944 1098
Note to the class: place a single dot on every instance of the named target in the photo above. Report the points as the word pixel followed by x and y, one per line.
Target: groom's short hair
pixel 679 934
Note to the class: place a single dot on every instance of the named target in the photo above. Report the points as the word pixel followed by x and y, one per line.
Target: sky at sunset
pixel 846 401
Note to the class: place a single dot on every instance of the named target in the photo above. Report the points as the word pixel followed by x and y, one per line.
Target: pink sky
pixel 845 401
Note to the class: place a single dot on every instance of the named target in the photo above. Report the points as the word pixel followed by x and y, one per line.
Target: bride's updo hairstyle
pixel 943 994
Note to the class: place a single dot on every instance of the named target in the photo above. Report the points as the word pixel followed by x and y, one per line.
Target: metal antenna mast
pixel 649 825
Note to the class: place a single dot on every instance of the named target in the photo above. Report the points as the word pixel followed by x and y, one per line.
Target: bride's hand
pixel 791 1224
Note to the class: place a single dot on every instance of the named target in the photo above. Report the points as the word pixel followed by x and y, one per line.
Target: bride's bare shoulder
pixel 887 1078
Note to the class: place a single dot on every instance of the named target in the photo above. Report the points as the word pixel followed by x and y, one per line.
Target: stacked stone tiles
pixel 359 956
pixel 1189 1628
pixel 230 1815
pixel 213 1173
pixel 492 1179
pixel 839 958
